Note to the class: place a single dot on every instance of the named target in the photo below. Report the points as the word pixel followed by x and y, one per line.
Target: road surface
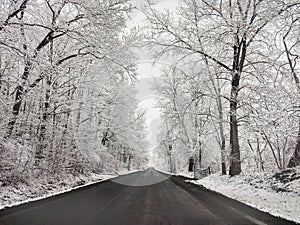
pixel 171 201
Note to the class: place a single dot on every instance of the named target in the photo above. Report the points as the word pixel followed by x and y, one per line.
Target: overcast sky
pixel 146 72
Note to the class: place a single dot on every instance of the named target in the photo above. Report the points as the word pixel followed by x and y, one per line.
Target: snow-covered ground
pixel 186 174
pixel 277 194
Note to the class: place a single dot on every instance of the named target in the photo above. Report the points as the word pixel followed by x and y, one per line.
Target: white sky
pixel 146 72
pixel 147 99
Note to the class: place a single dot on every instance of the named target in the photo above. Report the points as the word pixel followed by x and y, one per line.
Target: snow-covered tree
pixel 231 35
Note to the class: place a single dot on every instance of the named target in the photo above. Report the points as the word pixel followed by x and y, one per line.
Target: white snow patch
pixel 186 174
pixel 172 174
pixel 180 173
pixel 259 191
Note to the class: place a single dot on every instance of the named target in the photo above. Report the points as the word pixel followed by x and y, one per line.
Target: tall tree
pixel 291 47
pixel 223 32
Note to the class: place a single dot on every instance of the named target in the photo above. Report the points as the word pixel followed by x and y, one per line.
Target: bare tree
pixel 221 31
pixel 292 56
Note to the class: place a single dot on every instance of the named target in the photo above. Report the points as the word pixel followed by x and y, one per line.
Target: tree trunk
pixel 200 155
pixel 20 87
pixel 18 100
pixel 222 135
pixel 295 159
pixel 129 162
pixel 235 166
pixel 239 55
pixel 39 154
pixel 259 152
pixel 28 66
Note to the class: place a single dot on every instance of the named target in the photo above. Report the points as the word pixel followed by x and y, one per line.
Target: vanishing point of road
pixel 152 198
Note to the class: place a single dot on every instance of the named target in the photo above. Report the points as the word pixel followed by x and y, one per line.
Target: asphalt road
pixel 171 201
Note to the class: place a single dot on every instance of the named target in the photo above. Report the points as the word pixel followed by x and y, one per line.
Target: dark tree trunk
pixel 223 163
pixel 20 88
pixel 129 162
pixel 191 164
pixel 222 135
pixel 45 113
pixel 200 155
pixel 39 154
pixel 235 166
pixel 239 51
pixel 18 99
pixel 295 159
